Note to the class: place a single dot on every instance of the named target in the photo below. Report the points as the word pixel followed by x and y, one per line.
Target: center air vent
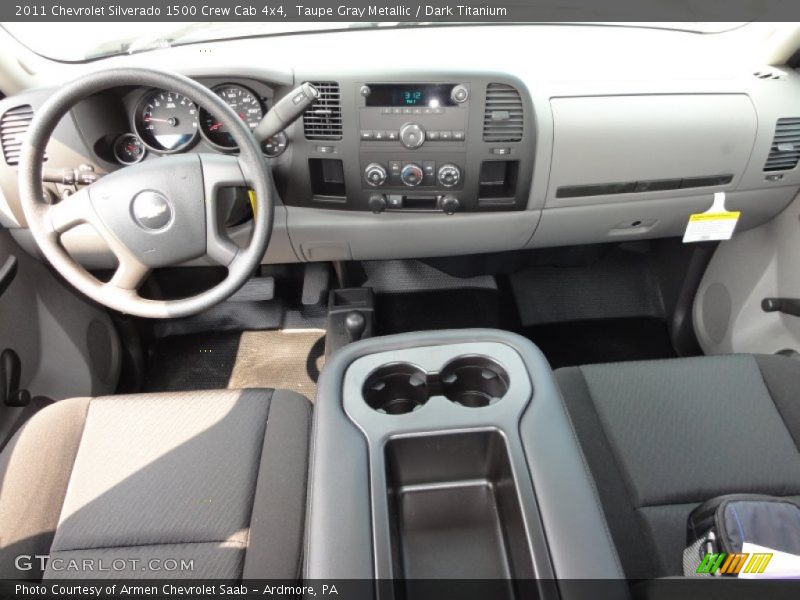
pixel 13 127
pixel 502 121
pixel 323 120
pixel 785 150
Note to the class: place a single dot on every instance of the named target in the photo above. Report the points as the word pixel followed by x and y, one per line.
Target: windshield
pixel 87 41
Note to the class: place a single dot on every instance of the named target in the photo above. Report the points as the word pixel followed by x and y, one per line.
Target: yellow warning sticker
pixel 714 224
pixel 715 216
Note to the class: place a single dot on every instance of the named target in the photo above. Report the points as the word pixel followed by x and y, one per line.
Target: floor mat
pixel 278 359
pixel 622 284
pixel 443 309
pixel 601 341
pixel 191 362
pixel 283 359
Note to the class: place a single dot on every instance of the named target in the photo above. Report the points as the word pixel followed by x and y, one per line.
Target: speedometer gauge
pixel 166 121
pixel 243 102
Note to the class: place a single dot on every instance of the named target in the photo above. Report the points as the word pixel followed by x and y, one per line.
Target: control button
pixel 429 166
pixel 412 135
pixel 432 136
pixel 416 111
pixel 412 175
pixel 379 136
pixel 397 110
pixel 449 204
pixel 427 111
pixel 438 110
pixel 326 149
pixel 386 110
pixel 406 111
pixel 395 201
pixel 375 174
pixel 449 175
pixel 446 136
pixel 459 94
pixel 501 151
pixel 395 166
pixel 365 91
pixel 367 134
pixel 377 203
pixel 392 136
pixel 458 136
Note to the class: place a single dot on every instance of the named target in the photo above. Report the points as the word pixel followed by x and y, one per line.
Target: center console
pixel 448 455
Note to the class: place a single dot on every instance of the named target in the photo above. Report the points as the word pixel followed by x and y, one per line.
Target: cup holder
pixel 474 381
pixel 396 388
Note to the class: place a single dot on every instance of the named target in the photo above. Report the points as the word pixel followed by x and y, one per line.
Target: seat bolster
pixel 782 377
pixel 35 468
pixel 275 543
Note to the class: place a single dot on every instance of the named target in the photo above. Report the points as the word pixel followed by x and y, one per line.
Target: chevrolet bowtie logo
pixel 151 210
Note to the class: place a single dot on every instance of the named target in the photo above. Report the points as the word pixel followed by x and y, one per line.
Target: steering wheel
pixel 153 214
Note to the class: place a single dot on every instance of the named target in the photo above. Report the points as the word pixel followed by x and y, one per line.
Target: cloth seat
pixel 207 484
pixel 661 437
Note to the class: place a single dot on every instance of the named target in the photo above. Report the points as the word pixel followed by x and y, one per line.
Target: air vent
pixel 13 127
pixel 785 150
pixel 323 120
pixel 502 121
pixel 769 74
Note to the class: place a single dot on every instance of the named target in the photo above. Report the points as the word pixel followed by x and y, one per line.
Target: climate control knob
pixel 412 135
pixel 449 175
pixel 412 175
pixel 375 174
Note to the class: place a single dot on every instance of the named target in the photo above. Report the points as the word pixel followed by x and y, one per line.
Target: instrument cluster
pixel 166 122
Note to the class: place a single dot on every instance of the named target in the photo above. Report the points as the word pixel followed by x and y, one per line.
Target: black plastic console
pixel 448 455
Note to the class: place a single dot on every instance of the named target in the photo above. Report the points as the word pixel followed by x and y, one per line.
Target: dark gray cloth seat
pixel 661 437
pixel 212 480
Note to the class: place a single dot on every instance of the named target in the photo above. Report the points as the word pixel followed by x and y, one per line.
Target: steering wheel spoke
pixel 220 171
pixel 73 210
pixel 130 274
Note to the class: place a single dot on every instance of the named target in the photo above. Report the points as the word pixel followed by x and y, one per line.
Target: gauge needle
pixel 215 126
pixel 158 120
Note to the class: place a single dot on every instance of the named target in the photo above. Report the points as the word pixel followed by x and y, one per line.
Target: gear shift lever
pixel 355 323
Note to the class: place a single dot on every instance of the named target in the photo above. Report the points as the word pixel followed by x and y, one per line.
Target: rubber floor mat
pixel 601 341
pixel 191 362
pixel 288 359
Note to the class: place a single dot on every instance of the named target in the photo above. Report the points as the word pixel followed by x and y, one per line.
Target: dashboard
pixel 463 155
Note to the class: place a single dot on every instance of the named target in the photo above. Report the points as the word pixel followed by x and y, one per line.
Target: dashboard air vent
pixel 785 150
pixel 323 120
pixel 13 126
pixel 769 74
pixel 502 120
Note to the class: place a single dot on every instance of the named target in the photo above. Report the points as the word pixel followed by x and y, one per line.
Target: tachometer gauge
pixel 243 102
pixel 166 121
pixel 129 149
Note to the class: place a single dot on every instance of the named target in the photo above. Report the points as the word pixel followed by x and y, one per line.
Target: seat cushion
pixel 662 437
pixel 215 479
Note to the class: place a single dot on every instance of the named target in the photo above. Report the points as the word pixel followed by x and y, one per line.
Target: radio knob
pixel 449 175
pixel 375 174
pixel 460 94
pixel 412 174
pixel 449 204
pixel 412 135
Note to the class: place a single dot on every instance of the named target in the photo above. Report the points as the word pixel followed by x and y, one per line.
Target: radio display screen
pixel 427 94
